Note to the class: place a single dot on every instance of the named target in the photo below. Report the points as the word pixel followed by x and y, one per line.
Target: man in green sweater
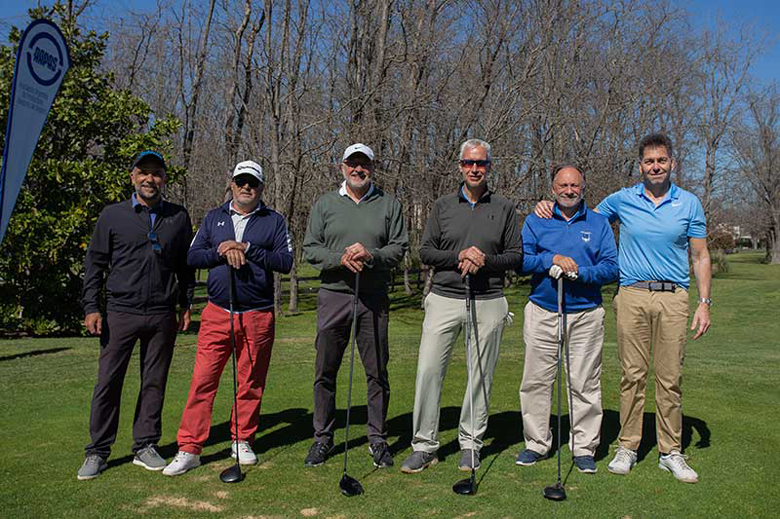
pixel 357 228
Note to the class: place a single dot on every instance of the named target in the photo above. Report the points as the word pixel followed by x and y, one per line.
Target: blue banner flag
pixel 41 63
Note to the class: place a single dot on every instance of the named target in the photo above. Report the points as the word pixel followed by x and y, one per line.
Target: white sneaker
pixel 674 462
pixel 623 461
pixel 246 456
pixel 183 462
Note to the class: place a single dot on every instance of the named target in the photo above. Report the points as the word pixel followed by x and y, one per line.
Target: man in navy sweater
pixel 247 236
pixel 578 244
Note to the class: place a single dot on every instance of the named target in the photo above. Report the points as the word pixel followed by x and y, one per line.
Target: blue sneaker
pixel 529 457
pixel 585 464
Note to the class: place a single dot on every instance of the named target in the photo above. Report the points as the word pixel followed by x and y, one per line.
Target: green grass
pixel 730 404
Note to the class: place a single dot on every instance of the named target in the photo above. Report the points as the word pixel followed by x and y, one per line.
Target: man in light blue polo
pixel 577 243
pixel 659 222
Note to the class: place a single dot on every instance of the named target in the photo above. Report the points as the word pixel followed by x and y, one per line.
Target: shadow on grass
pixel 610 429
pixel 33 353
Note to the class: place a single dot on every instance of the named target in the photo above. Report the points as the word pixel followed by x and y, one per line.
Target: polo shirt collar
pixel 462 195
pixel 156 208
pixel 581 211
pixel 673 193
pixel 343 190
pixel 233 211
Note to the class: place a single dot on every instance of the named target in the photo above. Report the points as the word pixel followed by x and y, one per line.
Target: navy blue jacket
pixel 587 238
pixel 269 250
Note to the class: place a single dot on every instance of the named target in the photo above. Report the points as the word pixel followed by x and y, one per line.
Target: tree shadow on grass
pixel 33 353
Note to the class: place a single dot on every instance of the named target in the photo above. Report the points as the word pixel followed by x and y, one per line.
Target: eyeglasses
pixel 467 163
pixel 355 163
pixel 156 247
pixel 246 179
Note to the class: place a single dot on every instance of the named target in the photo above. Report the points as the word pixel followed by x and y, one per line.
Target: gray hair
pixel 475 143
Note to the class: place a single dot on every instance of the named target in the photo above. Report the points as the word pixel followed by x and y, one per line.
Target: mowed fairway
pixel 731 401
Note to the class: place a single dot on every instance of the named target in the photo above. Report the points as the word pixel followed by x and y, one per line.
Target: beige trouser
pixel 584 333
pixel 444 318
pixel 651 320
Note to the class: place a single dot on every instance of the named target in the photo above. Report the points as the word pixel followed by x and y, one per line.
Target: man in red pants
pixel 247 236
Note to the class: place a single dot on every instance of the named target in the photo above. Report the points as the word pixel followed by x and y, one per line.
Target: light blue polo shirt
pixel 654 239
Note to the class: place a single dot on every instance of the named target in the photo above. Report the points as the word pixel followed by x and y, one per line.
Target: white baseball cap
pixel 249 167
pixel 358 148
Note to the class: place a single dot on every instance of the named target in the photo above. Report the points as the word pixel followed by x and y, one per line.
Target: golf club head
pixel 466 487
pixel 555 492
pixel 231 474
pixel 350 486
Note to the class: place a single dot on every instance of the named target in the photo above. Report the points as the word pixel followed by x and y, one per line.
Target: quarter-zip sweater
pixel 587 239
pixel 140 280
pixel 269 251
pixel 491 225
pixel 337 222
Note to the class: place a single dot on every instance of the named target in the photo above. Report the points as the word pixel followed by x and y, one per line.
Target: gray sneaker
pixel 92 467
pixel 149 458
pixel 466 458
pixel 418 461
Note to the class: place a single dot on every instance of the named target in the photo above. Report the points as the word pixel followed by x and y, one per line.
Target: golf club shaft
pixel 558 375
pixel 351 364
pixel 469 363
pixel 233 348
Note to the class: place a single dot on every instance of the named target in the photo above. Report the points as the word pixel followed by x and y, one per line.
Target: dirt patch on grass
pixel 180 502
pixel 309 512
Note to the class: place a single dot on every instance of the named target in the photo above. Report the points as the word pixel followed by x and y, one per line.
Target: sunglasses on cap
pixel 244 180
pixel 467 163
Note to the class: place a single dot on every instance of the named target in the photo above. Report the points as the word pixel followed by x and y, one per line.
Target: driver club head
pixel 466 487
pixel 350 486
pixel 555 492
pixel 232 474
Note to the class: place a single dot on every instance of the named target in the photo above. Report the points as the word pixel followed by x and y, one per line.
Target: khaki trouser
pixel 584 333
pixel 444 318
pixel 651 320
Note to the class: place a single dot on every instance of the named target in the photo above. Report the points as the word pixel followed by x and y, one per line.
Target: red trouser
pixel 254 341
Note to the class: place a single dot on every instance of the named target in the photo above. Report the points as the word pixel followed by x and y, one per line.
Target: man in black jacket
pixel 142 245
pixel 471 232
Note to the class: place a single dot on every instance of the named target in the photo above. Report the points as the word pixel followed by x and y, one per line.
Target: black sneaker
pixel 381 453
pixel 318 453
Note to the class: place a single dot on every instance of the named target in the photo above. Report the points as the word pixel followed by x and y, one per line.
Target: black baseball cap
pixel 148 155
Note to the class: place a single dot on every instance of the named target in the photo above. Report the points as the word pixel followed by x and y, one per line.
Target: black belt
pixel 655 286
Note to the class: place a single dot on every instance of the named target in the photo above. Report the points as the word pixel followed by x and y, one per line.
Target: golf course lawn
pixel 730 396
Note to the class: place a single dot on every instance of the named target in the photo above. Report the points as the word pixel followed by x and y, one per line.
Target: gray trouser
pixel 444 318
pixel 584 332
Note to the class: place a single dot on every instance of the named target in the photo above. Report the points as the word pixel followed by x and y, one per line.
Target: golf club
pixel 233 474
pixel 556 492
pixel 349 485
pixel 468 486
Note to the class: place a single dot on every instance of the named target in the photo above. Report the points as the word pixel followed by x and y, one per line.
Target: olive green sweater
pixel 337 222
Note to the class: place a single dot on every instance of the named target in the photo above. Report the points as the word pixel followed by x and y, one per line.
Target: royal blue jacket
pixel 587 239
pixel 269 250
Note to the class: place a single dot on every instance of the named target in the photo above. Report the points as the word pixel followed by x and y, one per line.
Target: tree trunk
pixel 407 281
pixel 292 307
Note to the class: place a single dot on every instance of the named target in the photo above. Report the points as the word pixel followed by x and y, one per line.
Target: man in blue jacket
pixel 578 244
pixel 247 236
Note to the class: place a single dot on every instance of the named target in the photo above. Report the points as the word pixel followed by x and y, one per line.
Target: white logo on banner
pixel 41 63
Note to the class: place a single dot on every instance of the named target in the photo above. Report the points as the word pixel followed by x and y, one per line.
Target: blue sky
pixel 764 13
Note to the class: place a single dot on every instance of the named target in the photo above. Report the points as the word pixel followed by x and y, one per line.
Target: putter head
pixel 466 487
pixel 350 486
pixel 232 474
pixel 555 492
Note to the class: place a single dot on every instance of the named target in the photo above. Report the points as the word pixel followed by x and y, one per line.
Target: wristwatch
pixel 705 300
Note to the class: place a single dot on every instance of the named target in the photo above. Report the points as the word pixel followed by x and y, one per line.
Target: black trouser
pixel 334 321
pixel 157 334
